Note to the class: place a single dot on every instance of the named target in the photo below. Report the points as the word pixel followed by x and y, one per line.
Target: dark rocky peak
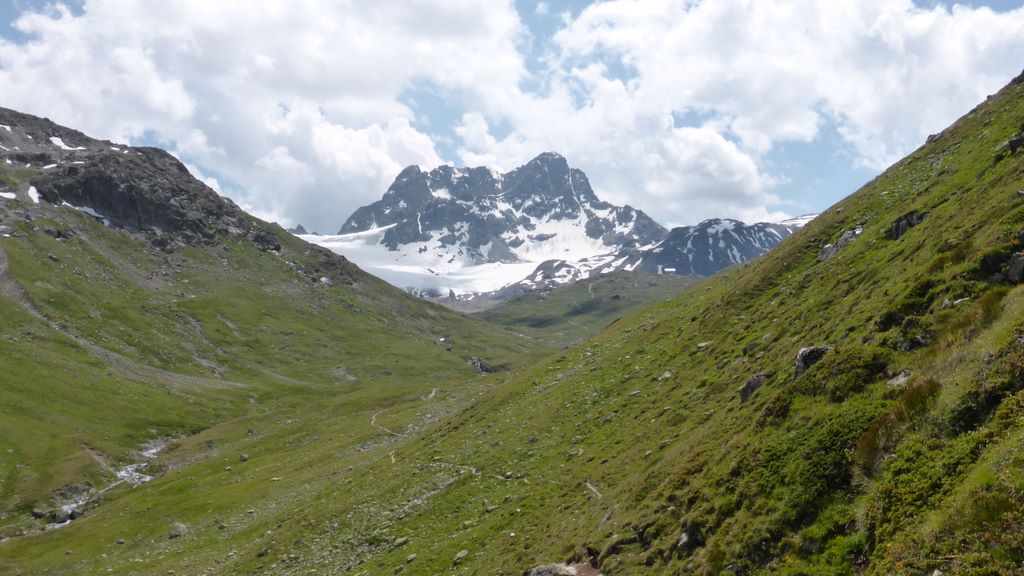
pixel 466 184
pixel 143 191
pixel 411 186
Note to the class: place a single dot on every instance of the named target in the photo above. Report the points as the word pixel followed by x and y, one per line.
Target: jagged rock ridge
pixel 141 190
pixel 478 215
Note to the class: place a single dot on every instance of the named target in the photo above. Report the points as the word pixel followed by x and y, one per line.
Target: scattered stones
pixel 120 540
pixel 810 356
pixel 462 555
pixel 665 375
pixel 751 386
pixel 899 381
pixel 552 570
pixel 399 569
pixel 905 223
pixel 243 458
pixel 410 558
pixel 402 541
pixel 177 530
pixel 684 541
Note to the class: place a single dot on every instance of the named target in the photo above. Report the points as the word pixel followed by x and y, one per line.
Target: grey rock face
pixel 810 356
pixel 712 245
pixel 905 223
pixel 700 250
pixel 830 250
pixel 751 386
pixel 552 570
pixel 1015 270
pixel 484 214
pixel 143 191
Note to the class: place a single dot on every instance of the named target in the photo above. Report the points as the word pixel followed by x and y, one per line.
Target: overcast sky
pixel 303 110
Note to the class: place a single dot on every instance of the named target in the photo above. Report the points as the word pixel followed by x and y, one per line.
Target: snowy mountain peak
pixel 467 216
pixel 470 230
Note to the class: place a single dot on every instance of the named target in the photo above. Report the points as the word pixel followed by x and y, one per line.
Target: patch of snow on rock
pixel 60 144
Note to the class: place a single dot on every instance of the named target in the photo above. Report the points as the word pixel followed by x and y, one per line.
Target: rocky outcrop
pixel 483 215
pixel 1015 269
pixel 830 250
pixel 905 223
pixel 552 570
pixel 143 191
pixel 810 356
pixel 751 386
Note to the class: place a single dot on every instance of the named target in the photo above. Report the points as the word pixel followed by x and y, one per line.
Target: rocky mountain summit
pixel 475 231
pixel 141 190
pixel 478 215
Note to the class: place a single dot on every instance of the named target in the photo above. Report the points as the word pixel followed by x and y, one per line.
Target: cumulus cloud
pixel 298 104
pixel 300 109
pixel 886 72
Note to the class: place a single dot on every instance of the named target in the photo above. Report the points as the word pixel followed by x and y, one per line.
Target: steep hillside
pixel 138 305
pixel 711 434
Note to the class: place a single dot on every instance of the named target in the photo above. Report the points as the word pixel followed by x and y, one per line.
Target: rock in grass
pixel 830 250
pixel 177 530
pixel 462 555
pixel 810 356
pixel 905 223
pixel 552 570
pixel 243 458
pixel 748 389
pixel 899 381
pixel 399 542
pixel 1015 271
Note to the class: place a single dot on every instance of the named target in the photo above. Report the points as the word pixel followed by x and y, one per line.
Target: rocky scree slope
pixel 138 305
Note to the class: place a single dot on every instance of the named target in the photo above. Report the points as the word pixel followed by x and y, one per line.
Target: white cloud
pixel 885 71
pixel 300 105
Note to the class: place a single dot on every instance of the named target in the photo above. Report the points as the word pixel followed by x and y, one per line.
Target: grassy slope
pixel 620 447
pixel 576 312
pixel 107 343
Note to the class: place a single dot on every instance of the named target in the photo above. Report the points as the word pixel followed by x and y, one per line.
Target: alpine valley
pixel 186 389
pixel 466 233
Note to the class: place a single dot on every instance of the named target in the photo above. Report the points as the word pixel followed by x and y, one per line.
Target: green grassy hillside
pixel 108 342
pixel 900 452
pixel 576 312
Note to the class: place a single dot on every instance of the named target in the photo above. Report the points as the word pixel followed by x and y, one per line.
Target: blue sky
pixel 687 109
